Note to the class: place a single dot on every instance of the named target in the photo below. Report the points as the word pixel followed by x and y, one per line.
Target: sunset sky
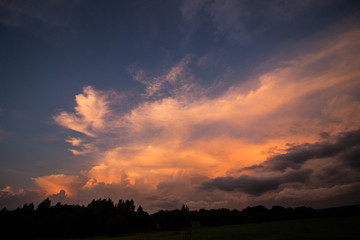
pixel 209 103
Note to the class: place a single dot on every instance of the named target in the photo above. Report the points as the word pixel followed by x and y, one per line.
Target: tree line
pixel 103 217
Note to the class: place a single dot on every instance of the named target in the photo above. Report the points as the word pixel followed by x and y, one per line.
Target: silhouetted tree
pixel 140 209
pixel 44 206
pixel 103 217
pixel 184 208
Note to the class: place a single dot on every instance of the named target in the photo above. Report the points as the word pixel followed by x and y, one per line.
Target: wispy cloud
pixel 234 19
pixel 88 118
pixel 54 13
pixel 175 80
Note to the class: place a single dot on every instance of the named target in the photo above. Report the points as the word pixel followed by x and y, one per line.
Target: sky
pixel 209 103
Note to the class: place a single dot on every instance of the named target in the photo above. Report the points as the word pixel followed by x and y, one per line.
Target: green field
pixel 328 228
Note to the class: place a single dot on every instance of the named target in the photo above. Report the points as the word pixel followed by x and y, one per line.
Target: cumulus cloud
pixel 53 184
pixel 88 118
pixel 177 140
pixel 176 134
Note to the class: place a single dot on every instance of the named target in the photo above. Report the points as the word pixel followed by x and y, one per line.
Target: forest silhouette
pixel 103 217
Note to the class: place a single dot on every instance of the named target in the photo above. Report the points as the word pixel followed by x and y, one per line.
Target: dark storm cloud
pixel 351 157
pixel 255 185
pixel 335 174
pixel 346 147
pixel 253 167
pixel 345 151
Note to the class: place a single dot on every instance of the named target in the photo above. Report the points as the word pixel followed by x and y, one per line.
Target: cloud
pixel 177 133
pixel 92 108
pixel 352 156
pixel 74 141
pixel 234 20
pixel 54 13
pixel 11 198
pixel 255 185
pixel 247 144
pixel 226 16
pixel 346 147
pixel 175 81
pixel 49 21
pixel 54 184
pixel 320 197
pixel 330 168
pixel 341 163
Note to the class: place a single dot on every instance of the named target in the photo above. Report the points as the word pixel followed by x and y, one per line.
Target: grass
pixel 321 228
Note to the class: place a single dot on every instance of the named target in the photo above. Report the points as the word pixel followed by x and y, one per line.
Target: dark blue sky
pixel 51 50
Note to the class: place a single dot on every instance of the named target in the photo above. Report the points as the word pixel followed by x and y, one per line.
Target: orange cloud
pixel 53 184
pixel 89 114
pixel 188 136
pixel 9 190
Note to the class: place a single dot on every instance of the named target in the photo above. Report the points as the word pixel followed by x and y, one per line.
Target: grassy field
pixel 328 228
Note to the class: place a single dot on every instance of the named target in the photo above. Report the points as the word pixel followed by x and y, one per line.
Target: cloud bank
pixel 278 142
